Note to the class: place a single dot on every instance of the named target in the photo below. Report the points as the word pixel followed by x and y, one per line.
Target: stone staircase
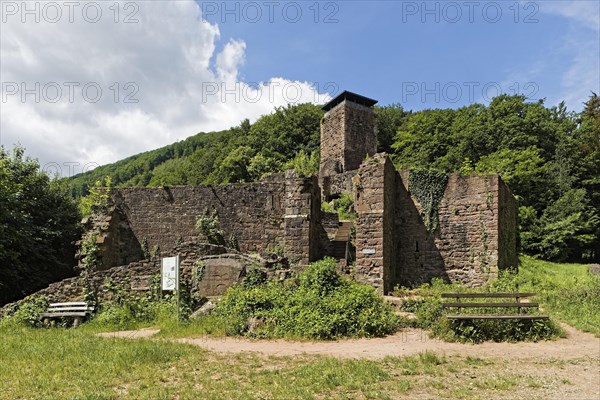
pixel 340 240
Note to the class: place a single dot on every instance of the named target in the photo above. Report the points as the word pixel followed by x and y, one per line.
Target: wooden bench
pixel 516 304
pixel 78 311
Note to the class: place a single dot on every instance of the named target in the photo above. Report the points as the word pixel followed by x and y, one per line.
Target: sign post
pixel 169 271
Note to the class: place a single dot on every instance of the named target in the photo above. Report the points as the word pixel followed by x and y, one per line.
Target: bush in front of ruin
pixel 318 304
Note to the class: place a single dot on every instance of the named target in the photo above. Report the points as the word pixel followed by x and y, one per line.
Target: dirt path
pixel 577 344
pixel 408 342
pixel 565 369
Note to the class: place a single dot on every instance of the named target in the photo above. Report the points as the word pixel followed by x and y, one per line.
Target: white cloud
pixel 580 48
pixel 169 62
pixel 586 13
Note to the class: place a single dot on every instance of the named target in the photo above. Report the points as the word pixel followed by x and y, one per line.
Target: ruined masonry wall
pixel 275 211
pixel 476 236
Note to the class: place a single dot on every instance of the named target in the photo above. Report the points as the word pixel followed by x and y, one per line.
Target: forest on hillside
pixel 549 156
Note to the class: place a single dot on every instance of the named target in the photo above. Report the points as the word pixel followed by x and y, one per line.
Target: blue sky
pixel 419 53
pixel 109 79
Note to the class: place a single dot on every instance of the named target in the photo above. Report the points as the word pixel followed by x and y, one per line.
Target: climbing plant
pixel 208 225
pixel 428 188
pixel 98 200
pixel 90 252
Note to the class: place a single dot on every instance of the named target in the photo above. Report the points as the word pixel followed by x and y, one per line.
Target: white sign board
pixel 368 251
pixel 170 273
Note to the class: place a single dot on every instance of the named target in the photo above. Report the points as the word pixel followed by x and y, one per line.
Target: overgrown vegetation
pixel 342 206
pixel 568 292
pixel 319 304
pixel 209 226
pixel 38 222
pixel 98 198
pixel 428 187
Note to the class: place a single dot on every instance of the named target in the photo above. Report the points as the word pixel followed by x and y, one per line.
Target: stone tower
pixel 348 133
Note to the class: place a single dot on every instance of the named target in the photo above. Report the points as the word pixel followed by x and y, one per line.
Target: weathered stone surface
pixel 205 309
pixel 347 136
pixel 476 236
pixel 221 273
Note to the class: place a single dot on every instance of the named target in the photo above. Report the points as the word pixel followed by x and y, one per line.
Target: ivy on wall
pixel 428 188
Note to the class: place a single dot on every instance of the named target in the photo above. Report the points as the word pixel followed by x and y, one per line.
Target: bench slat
pixel 479 305
pixel 72 303
pixel 66 309
pixel 509 316
pixel 485 295
pixel 64 314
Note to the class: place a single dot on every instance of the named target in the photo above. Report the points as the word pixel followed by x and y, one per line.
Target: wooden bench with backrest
pixel 517 305
pixel 77 311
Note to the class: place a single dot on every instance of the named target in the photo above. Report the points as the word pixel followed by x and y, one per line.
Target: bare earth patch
pixel 139 334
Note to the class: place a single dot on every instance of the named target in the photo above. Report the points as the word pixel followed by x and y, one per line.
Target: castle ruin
pixel 473 239
pixel 408 228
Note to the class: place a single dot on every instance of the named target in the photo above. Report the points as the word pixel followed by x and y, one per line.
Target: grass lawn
pixel 76 364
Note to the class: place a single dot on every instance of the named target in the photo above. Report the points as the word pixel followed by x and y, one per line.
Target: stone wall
pixel 373 203
pixel 467 246
pixel 508 257
pixel 361 135
pixel 278 211
pixel 334 185
pixel 475 239
pixel 221 267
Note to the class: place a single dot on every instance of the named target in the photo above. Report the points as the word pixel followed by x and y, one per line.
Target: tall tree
pixel 38 223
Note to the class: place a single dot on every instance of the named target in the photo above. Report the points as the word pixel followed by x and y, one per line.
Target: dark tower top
pixel 349 96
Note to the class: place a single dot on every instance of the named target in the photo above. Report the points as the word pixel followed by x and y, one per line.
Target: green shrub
pixel 342 206
pixel 254 278
pixel 27 314
pixel 209 226
pixel 318 305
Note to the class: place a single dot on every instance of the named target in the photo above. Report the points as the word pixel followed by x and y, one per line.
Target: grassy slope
pixel 566 291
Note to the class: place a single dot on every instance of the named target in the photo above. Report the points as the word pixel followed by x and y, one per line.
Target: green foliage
pixel 541 153
pixel 145 250
pixel 198 273
pixel 155 251
pixel 27 313
pixel 90 252
pixel 128 309
pixel 38 223
pixel 208 225
pixel 428 187
pixel 567 291
pixel 319 304
pixel 305 165
pixel 98 199
pixel 477 331
pixel 254 278
pixel 390 119
pixel 566 228
pixel 427 306
pixel 342 206
pixel 243 153
pixel 232 242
